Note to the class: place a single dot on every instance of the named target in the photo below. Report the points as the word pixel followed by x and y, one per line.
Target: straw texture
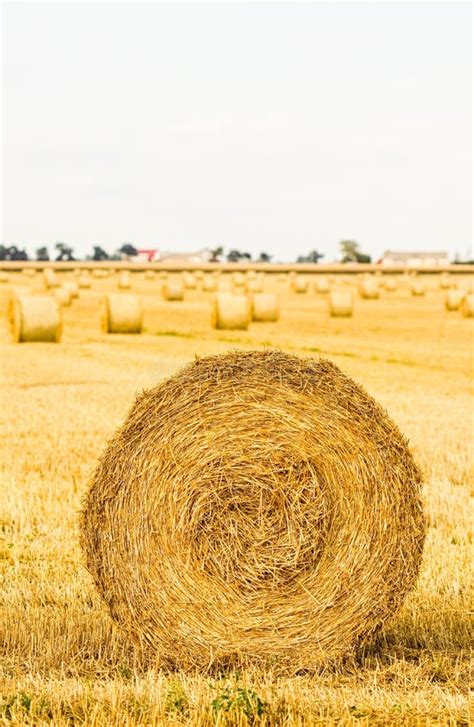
pixel 34 318
pixel 121 313
pixel 255 507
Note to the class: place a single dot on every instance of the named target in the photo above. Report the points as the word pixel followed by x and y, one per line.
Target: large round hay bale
pixel 299 284
pixel 84 281
pixel 209 284
pixel 341 303
pixel 121 313
pixel 321 285
pixel 453 299
pixel 34 318
pixel 63 295
pixel 467 306
pixel 369 288
pixel 417 288
pixel 265 307
pixel 255 507
pixel 231 312
pixel 124 282
pixel 173 289
pixel 49 278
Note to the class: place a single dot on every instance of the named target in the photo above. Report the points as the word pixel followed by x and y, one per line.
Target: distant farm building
pixel 193 258
pixel 415 259
pixel 144 256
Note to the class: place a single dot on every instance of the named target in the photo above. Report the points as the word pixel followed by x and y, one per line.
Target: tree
pixel 42 254
pixel 216 253
pixel 12 253
pixel 233 256
pixel 128 250
pixel 99 254
pixel 350 252
pixel 65 252
pixel 264 257
pixel 312 257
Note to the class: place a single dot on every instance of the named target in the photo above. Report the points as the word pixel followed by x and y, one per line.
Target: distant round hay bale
pixel 224 284
pixel 121 313
pixel 231 312
pixel 467 306
pixel 265 307
pixel 98 273
pixel 124 281
pixel 341 303
pixel 239 280
pixel 173 289
pixel 390 284
pixel 281 278
pixel 149 274
pixel 34 318
pixel 199 274
pixel 63 295
pixel 4 277
pixel 189 281
pixel 209 284
pixel 84 281
pixel 30 272
pixel 417 288
pixel 369 288
pixel 444 281
pixel 299 284
pixel 73 287
pixel 321 285
pixel 49 278
pixel 453 299
pixel 254 508
pixel 255 285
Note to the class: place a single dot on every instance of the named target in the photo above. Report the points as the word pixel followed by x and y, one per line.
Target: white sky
pixel 276 127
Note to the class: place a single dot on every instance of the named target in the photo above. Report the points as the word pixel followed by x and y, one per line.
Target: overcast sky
pixel 277 127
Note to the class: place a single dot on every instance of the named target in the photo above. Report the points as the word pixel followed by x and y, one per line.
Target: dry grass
pixel 62 661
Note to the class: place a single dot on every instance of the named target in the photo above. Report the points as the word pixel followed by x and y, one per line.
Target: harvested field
pixel 62 660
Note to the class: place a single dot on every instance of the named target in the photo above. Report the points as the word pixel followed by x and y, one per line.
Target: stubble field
pixel 63 662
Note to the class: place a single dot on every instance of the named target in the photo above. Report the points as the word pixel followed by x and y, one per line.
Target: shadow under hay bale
pixel 34 319
pixel 255 507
